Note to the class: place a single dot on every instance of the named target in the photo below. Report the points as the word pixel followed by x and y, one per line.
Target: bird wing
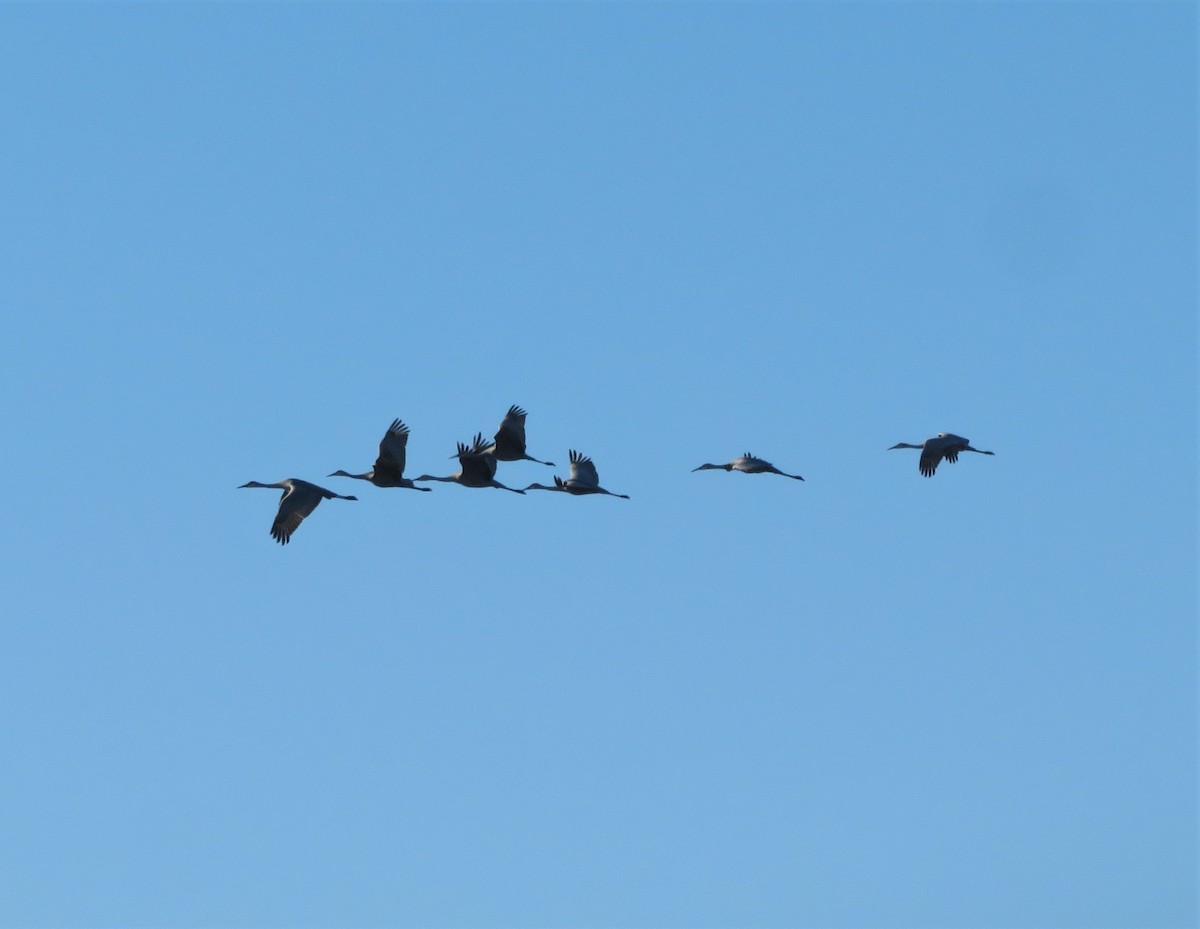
pixel 295 504
pixel 931 454
pixel 950 445
pixel 477 462
pixel 752 464
pixel 583 471
pixel 510 437
pixel 392 452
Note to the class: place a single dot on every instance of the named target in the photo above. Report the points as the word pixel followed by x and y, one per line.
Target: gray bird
pixel 389 466
pixel 299 499
pixel 943 445
pixel 478 467
pixel 583 479
pixel 748 464
pixel 509 442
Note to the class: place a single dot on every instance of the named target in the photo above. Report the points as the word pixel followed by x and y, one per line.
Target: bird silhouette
pixel 509 441
pixel 583 480
pixel 389 466
pixel 943 445
pixel 299 499
pixel 748 464
pixel 478 467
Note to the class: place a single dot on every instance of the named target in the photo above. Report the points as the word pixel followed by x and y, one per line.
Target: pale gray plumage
pixel 299 499
pixel 478 467
pixel 389 466
pixel 748 464
pixel 583 480
pixel 945 445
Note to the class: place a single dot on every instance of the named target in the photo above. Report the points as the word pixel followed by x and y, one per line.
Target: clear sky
pixel 238 240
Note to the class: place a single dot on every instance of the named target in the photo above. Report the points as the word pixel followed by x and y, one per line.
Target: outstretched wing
pixel 392 452
pixel 583 471
pixel 931 454
pixel 477 462
pixel 510 437
pixel 295 504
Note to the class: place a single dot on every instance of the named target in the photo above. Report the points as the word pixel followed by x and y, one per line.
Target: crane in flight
pixel 943 445
pixel 748 464
pixel 389 466
pixel 583 480
pixel 509 441
pixel 299 499
pixel 478 467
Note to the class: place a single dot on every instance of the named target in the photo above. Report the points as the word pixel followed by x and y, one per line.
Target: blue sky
pixel 240 240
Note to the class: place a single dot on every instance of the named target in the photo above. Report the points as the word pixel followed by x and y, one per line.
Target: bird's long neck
pixel 541 487
pixel 360 477
pixel 429 477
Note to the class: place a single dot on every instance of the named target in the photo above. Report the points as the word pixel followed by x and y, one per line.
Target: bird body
pixel 583 480
pixel 509 441
pixel 389 466
pixel 478 467
pixel 748 464
pixel 943 445
pixel 299 499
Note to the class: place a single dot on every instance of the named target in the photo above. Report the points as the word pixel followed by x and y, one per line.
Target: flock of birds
pixel 477 468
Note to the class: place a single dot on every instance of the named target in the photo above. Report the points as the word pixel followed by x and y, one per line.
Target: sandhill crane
pixel 748 464
pixel 943 445
pixel 478 467
pixel 389 466
pixel 509 443
pixel 299 499
pixel 583 479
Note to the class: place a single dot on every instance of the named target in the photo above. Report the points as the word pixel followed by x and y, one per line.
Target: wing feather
pixel 583 471
pixel 930 456
pixel 296 503
pixel 510 437
pixel 392 452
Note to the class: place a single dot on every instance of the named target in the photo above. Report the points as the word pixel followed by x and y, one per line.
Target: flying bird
pixel 389 466
pixel 748 464
pixel 509 442
pixel 478 467
pixel 583 479
pixel 299 499
pixel 943 445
